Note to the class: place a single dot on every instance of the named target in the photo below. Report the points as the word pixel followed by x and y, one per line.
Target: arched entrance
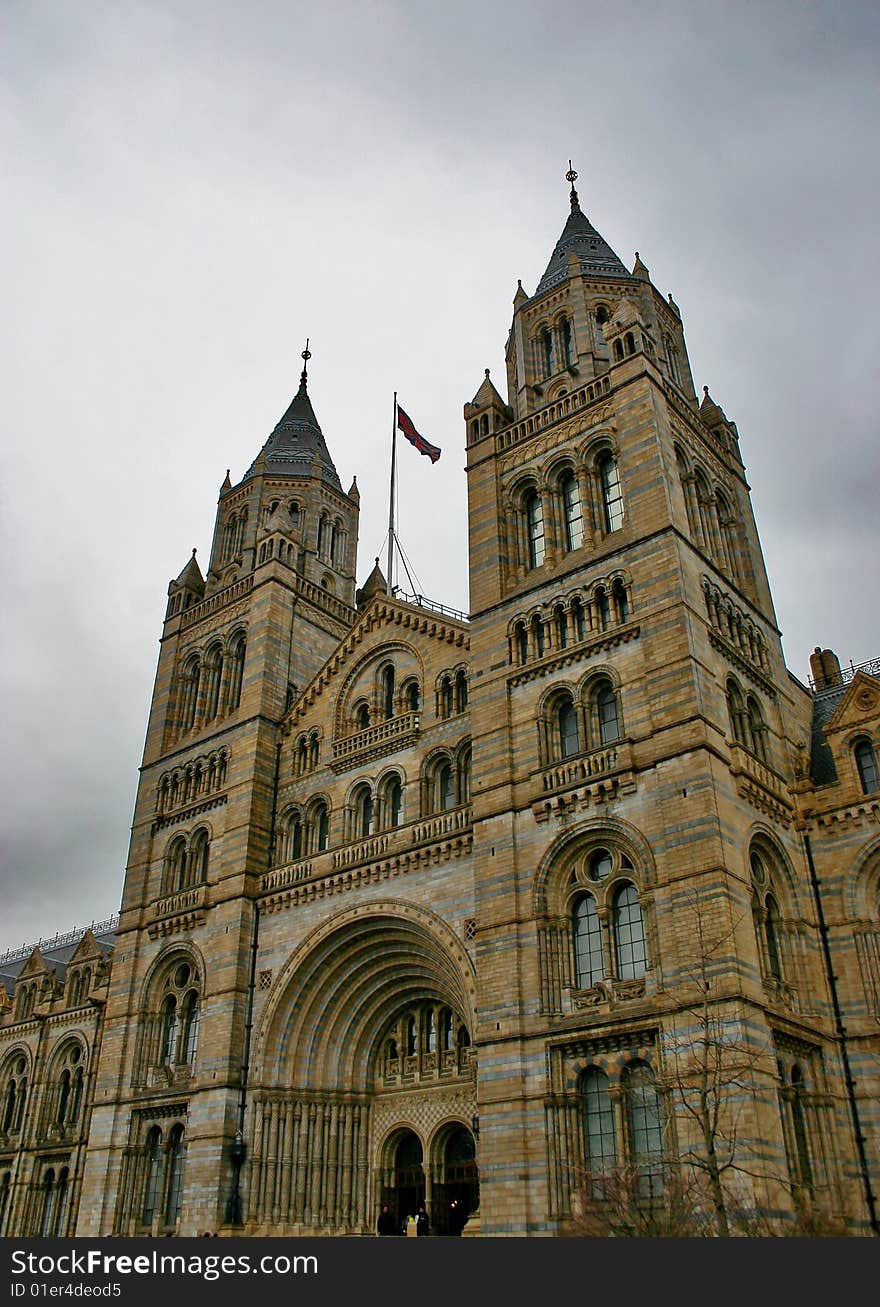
pixel 404 1190
pixel 455 1191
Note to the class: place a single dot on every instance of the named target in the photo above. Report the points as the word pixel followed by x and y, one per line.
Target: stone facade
pixel 421 906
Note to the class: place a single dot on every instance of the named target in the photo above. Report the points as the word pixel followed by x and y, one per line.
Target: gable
pixel 858 708
pixel 387 623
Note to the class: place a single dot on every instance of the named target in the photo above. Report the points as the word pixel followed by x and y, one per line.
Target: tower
pixel 236 646
pixel 634 728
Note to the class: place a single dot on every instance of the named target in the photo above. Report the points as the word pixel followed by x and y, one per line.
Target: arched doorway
pixel 406 1191
pixel 455 1192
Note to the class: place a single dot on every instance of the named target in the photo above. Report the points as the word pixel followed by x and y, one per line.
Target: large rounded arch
pixel 323 1025
pixel 580 839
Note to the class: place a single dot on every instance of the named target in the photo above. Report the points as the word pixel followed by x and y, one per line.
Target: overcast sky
pixel 193 188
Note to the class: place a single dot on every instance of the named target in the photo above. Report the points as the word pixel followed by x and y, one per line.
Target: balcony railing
pixel 374 741
pixel 185 901
pixel 588 767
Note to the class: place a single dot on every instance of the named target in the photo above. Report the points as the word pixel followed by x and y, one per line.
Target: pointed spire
pixel 520 297
pixel 296 446
pixel 580 248
pixel 375 584
pixel 227 484
pixel 639 269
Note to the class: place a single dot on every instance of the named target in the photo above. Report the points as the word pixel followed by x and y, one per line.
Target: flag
pixel 404 422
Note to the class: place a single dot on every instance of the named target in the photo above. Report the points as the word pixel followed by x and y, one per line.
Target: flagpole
pixel 391 501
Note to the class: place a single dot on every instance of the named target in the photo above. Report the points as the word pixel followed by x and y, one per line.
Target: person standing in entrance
pixel 386 1223
pixel 423 1223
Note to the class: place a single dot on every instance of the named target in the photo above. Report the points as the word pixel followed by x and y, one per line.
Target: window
pixel 644 1133
pixel 198 858
pixel 320 825
pixel 68 1088
pixel 362 716
pixel 579 619
pixel 461 691
pixel 412 696
pixel 629 934
pixel 392 802
pixel 607 714
pixel 621 603
pixel 561 627
pixel 535 528
pixel 213 678
pixel 152 1187
pixel 237 654
pixel 600 1142
pixel 603 608
pixel 174 1165
pixel 178 1019
pixel 388 692
pixel 588 950
pixel 565 332
pixel 446 787
pixel 521 639
pixel 175 879
pixel 566 720
pixel 736 712
pixel 538 636
pixel 190 690
pixel 612 498
pixel 572 512
pixel 14 1096
pixel 803 1169
pixel 866 765
pixel 446 697
pixel 363 812
pixel 546 350
pixel 757 731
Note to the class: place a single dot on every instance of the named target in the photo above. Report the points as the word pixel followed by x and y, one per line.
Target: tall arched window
pixel 603 608
pixel 572 511
pixel 392 802
pixel 799 1128
pixel 461 691
pixel 189 1027
pixel 521 640
pixel 771 935
pixel 567 343
pixel 644 1132
pixel 736 711
pixel 561 627
pixel 388 691
pixel 363 813
pixel 153 1175
pixel 14 1095
pixel 607 714
pixel 621 603
pixel 579 619
pixel 174 1162
pixel 362 716
pixel 757 729
pixel 535 528
pixel 192 673
pixel 169 1028
pixel 612 496
pixel 629 934
pixel 567 727
pixel 198 858
pixel 546 345
pixel 321 826
pixel 213 677
pixel 588 951
pixel 237 655
pixel 47 1222
pixel 538 636
pixel 866 765
pixel 600 1142
pixel 175 877
pixel 446 787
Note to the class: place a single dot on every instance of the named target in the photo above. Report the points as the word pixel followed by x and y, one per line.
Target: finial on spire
pixel 194 551
pixel 571 176
pixel 304 377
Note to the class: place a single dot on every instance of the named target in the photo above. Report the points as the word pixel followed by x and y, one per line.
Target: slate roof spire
pixel 297 447
pixel 579 237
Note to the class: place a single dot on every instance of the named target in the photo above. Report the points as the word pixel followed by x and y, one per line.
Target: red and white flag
pixel 404 422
